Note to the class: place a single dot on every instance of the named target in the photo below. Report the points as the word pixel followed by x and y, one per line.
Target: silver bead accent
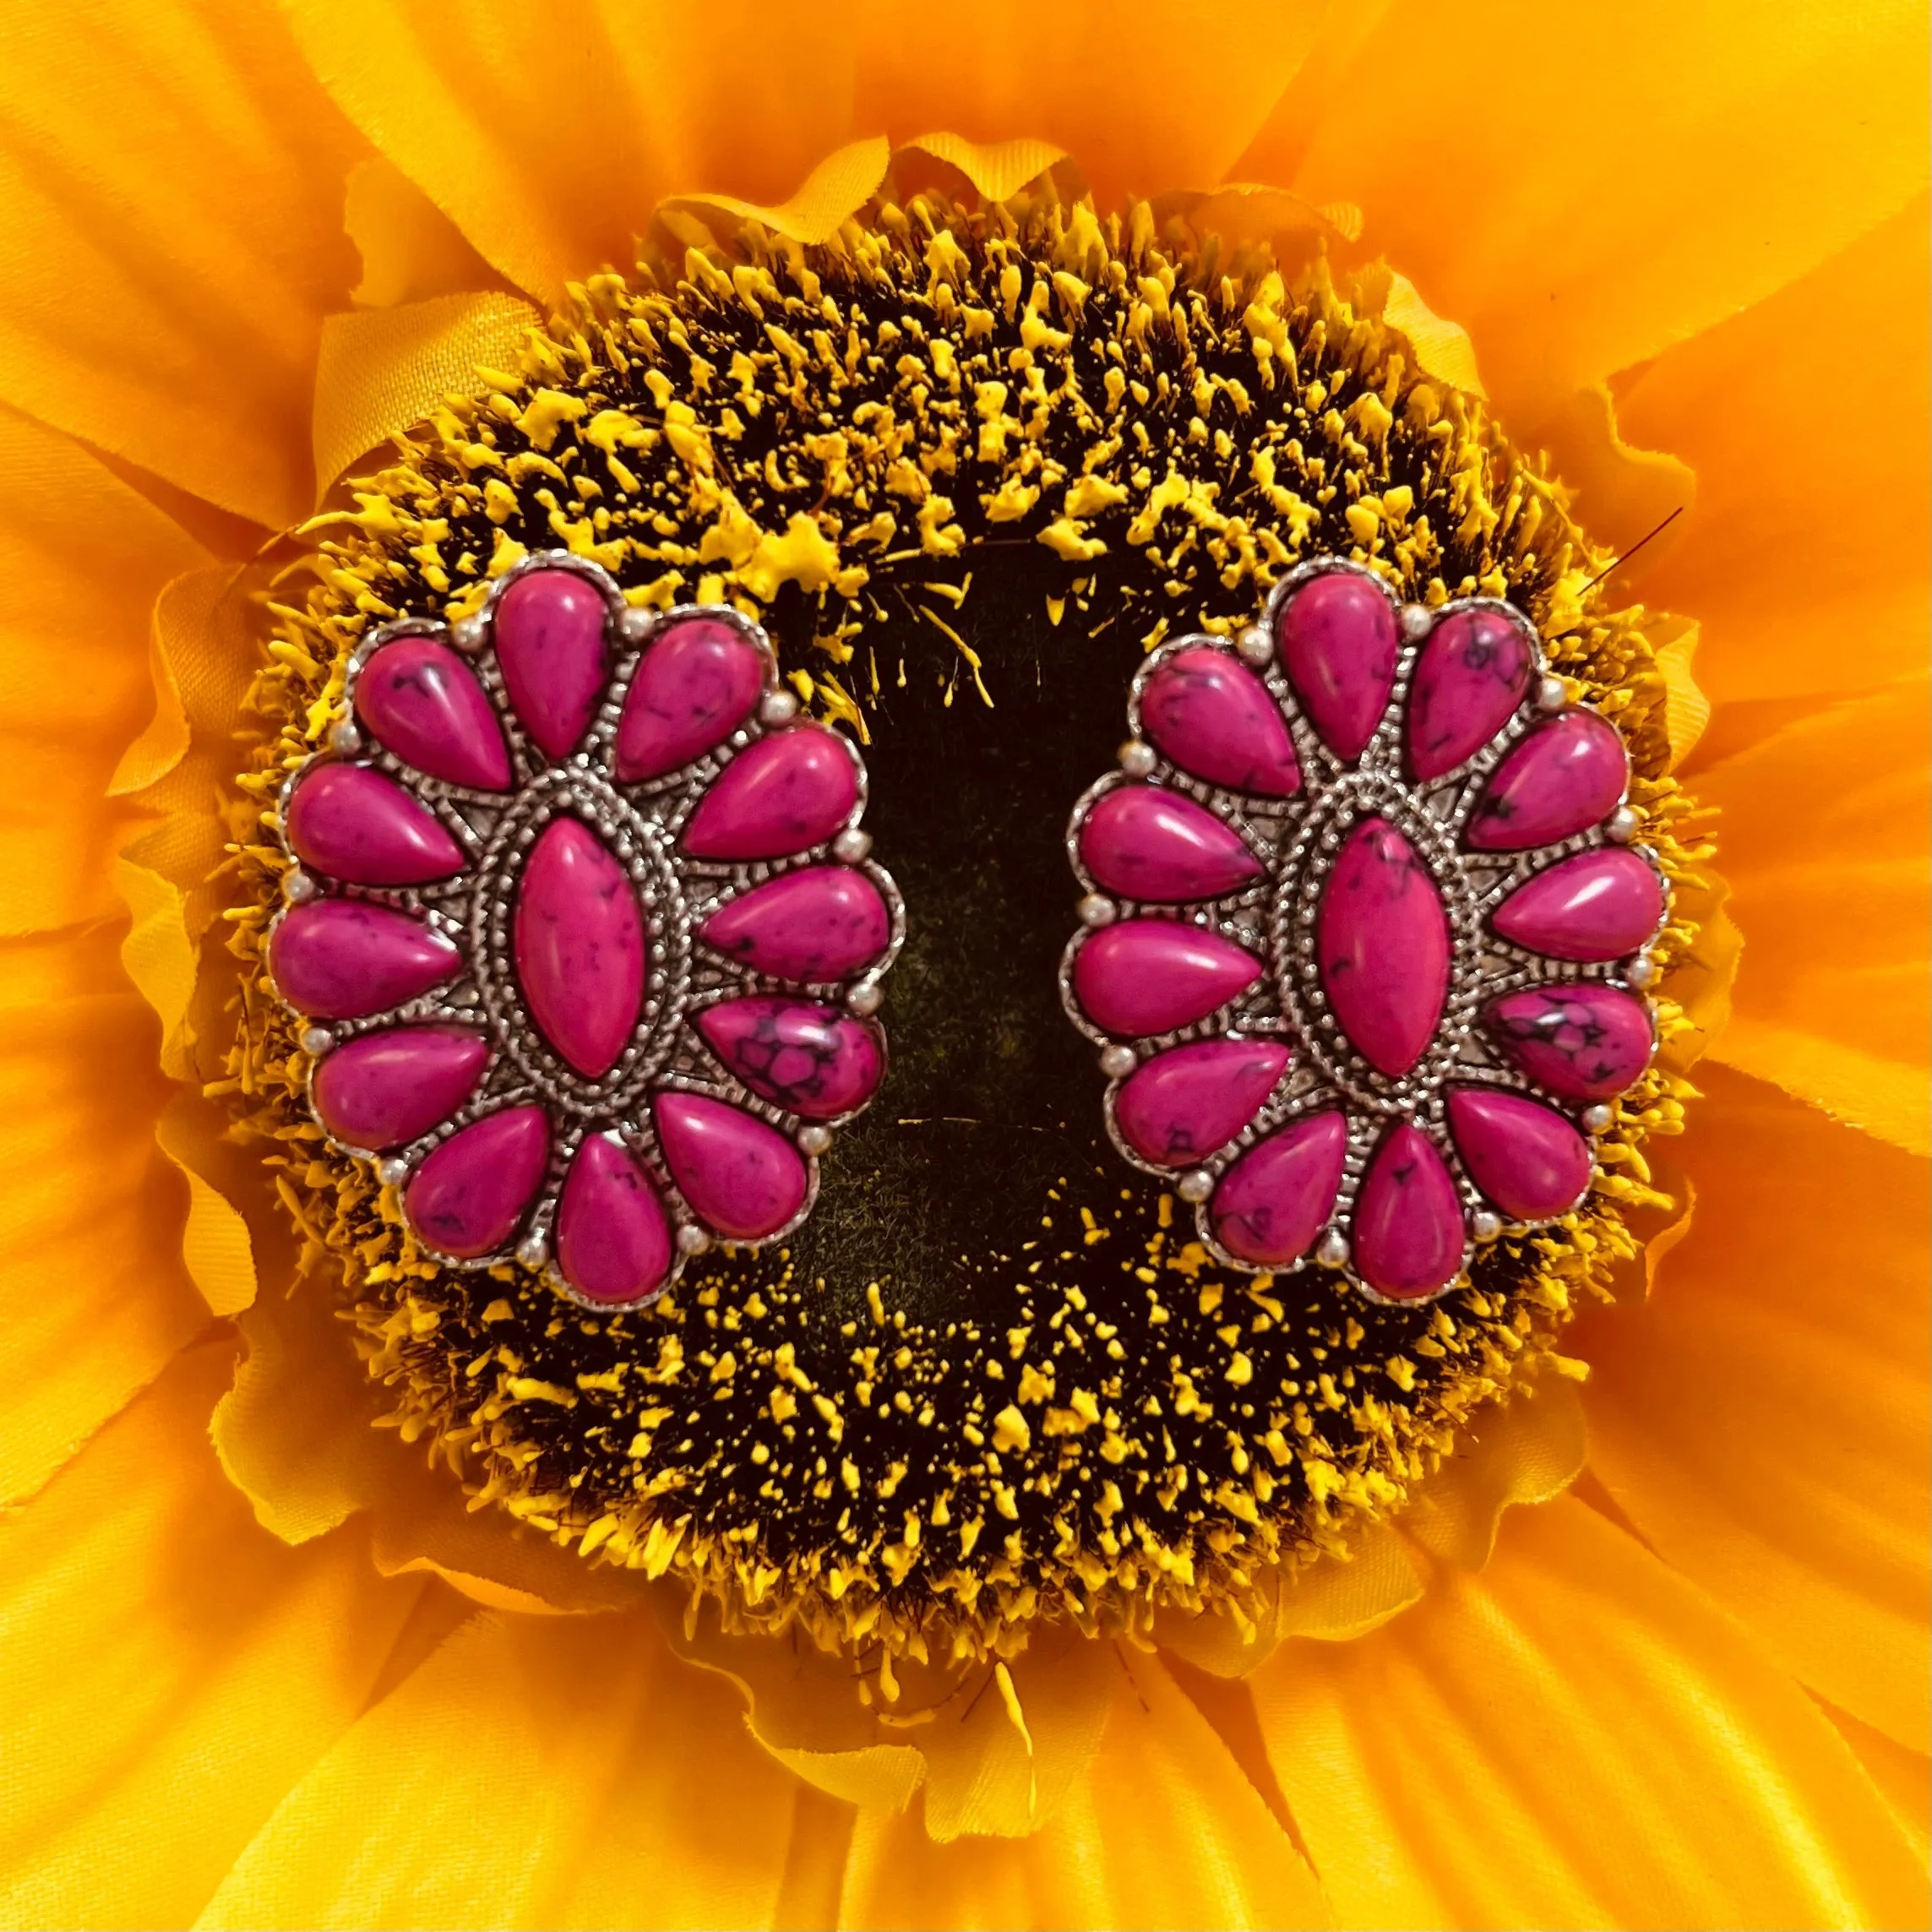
pixel 1416 620
pixel 533 1250
pixel 468 633
pixel 1195 1185
pixel 1255 646
pixel 316 1041
pixel 1642 972
pixel 345 740
pixel 297 887
pixel 1137 760
pixel 865 999
pixel 1596 1120
pixel 1485 1226
pixel 635 625
pixel 1622 824
pixel 1552 694
pixel 1096 911
pixel 851 846
pixel 392 1172
pixel 1332 1251
pixel 1116 1062
pixel 777 708
pixel 814 1140
pixel 691 1239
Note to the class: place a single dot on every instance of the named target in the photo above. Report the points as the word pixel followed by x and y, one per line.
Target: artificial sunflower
pixel 993 1505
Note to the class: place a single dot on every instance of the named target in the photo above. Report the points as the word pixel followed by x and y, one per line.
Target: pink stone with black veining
pixel 579 945
pixel 1145 843
pixel 1215 718
pixel 821 922
pixel 1526 1157
pixel 343 959
pixel 1597 906
pixel 354 823
pixel 1151 975
pixel 1274 1201
pixel 784 794
pixel 387 1089
pixel 1338 641
pixel 1580 1043
pixel 744 1180
pixel 613 1237
pixel 1406 1237
pixel 1469 676
pixel 1382 943
pixel 548 629
pixel 696 684
pixel 1561 779
pixel 815 1060
pixel 469 1195
pixel 1180 1106
pixel 423 703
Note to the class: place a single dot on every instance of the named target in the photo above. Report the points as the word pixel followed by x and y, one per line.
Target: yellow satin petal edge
pixel 532 1772
pixel 171 201
pixel 1443 349
pixel 1902 1777
pixel 996 169
pixel 92 1291
pixel 1164 1830
pixel 1823 838
pixel 1762 1418
pixel 1575 1736
pixel 382 370
pixel 411 251
pixel 168 1670
pixel 835 190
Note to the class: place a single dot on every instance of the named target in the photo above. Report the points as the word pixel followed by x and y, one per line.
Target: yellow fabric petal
pixel 1762 1418
pixel 168 1671
pixel 835 190
pixel 1823 837
pixel 556 1772
pixel 1805 559
pixel 1164 1831
pixel 83 557
pixel 170 204
pixel 94 1299
pixel 996 169
pixel 411 251
pixel 1903 1778
pixel 1622 175
pixel 1574 1737
pixel 382 370
pixel 550 156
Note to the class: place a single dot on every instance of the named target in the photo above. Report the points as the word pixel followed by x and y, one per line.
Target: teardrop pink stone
pixel 817 1061
pixel 1579 1042
pixel 1213 717
pixel 1407 1237
pixel 1597 906
pixel 387 1089
pixel 1562 779
pixel 1338 639
pixel 549 633
pixel 1469 678
pixel 822 922
pixel 1144 843
pixel 469 1195
pixel 1274 1201
pixel 1382 940
pixel 1180 1106
pixel 1526 1157
pixel 613 1238
pixel 1151 975
pixel 354 823
pixel 697 683
pixel 785 794
pixel 579 937
pixel 423 703
pixel 742 1177
pixel 344 959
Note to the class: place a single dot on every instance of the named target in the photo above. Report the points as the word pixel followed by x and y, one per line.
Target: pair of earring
pixel 584 943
